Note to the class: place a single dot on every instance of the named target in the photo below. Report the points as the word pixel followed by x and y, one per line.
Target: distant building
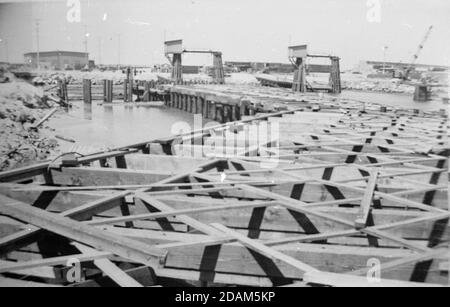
pixel 239 66
pixel 260 66
pixel 392 67
pixel 58 60
pixel 191 70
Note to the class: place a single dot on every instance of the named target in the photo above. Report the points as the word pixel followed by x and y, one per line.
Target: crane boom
pixel 417 54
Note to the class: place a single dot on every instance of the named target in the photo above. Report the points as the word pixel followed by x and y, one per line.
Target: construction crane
pixel 405 75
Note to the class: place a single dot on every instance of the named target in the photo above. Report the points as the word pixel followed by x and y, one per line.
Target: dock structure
pixel 313 195
pixel 299 57
pixel 174 51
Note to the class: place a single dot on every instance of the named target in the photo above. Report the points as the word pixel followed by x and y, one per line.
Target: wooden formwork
pixel 317 202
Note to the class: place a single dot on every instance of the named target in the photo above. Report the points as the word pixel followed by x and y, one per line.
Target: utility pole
pixel 385 48
pixel 118 52
pixel 99 50
pixel 6 49
pixel 38 58
pixel 86 36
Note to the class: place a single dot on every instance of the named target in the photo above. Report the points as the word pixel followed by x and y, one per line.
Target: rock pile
pixel 21 105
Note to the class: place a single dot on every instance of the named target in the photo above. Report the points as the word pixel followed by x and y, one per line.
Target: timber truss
pixel 354 191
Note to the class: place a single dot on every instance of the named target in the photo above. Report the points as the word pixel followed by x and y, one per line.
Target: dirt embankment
pixel 22 105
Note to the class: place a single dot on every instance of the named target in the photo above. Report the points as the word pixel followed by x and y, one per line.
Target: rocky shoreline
pixel 21 106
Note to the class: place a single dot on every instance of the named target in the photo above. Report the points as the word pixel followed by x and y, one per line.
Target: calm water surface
pixel 109 126
pixel 118 125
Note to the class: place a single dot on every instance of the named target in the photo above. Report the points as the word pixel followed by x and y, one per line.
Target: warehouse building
pixel 58 60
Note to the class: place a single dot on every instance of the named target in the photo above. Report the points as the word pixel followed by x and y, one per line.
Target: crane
pixel 417 54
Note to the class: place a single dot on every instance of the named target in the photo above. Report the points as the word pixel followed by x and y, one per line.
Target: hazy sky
pixel 247 30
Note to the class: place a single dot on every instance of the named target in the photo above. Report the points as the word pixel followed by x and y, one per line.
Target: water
pixel 394 100
pixel 110 126
pixel 117 125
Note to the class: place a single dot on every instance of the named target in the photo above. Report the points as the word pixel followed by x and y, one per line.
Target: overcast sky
pixel 246 30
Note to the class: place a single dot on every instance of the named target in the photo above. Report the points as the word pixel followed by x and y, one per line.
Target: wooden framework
pixel 353 187
pixel 176 50
pixel 298 56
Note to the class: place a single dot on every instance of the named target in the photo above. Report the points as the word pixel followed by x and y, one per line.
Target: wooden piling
pixel 87 91
pixel 108 91
pixel 177 69
pixel 130 84
pixel 422 93
pixel 335 76
pixel 87 98
pixel 125 91
pixel 147 87
pixel 219 75
pixel 62 91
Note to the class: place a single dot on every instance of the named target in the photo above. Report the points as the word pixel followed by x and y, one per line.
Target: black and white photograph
pixel 224 151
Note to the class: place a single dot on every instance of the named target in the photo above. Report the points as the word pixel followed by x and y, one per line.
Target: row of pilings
pixel 210 108
pixel 219 109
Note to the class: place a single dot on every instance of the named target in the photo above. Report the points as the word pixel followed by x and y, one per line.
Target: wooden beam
pixel 296 206
pixel 80 213
pixel 406 261
pixel 126 248
pixel 24 173
pixel 266 251
pixel 366 204
pixel 15 283
pixel 342 280
pixel 312 238
pixel 40 188
pixel 335 258
pixel 176 213
pixel 183 218
pixel 110 269
pixel 217 278
pixel 92 176
pixel 44 272
pixel 84 257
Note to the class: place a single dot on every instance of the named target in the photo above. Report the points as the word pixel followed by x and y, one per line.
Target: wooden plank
pixel 218 278
pixel 266 251
pixel 341 280
pixel 366 204
pixel 183 218
pixel 126 248
pixel 80 213
pixel 296 205
pixel 44 272
pixel 110 269
pixel 292 204
pixel 24 172
pixel 40 188
pixel 143 275
pixel 402 242
pixel 82 176
pixel 238 259
pixel 15 283
pixel 20 266
pixel 45 118
pixel 311 238
pixel 386 196
pixel 406 261
pixel 176 213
